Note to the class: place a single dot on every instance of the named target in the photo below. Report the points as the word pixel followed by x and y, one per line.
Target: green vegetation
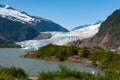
pixel 84 52
pixel 67 74
pixel 101 58
pixel 12 73
pixel 59 52
pixel 111 25
pixel 104 59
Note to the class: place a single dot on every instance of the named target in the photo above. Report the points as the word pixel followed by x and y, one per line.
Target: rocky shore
pixel 74 58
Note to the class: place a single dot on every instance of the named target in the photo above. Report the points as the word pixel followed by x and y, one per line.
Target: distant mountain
pixel 109 33
pixel 19 26
pixel 79 27
pixel 62 38
pixel 83 26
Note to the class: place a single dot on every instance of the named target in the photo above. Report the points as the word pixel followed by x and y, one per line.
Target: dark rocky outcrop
pixel 44 36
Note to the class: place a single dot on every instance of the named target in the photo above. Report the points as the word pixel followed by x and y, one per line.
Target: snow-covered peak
pixel 93 28
pixel 5 6
pixel 8 12
pixel 79 27
pixel 86 25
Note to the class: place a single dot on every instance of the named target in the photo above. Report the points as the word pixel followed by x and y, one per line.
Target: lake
pixel 11 57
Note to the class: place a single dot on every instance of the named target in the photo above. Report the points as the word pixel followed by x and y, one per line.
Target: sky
pixel 67 13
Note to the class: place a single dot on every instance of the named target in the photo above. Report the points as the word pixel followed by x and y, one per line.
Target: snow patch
pixel 13 14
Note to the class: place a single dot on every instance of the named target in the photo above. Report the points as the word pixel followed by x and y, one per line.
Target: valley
pixel 62 38
pixel 66 43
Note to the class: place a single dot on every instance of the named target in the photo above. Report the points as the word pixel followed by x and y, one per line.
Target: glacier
pixel 61 38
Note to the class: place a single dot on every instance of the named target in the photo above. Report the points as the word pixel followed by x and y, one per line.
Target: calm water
pixel 10 57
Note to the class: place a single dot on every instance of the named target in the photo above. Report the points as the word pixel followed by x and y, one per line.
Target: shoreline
pixel 32 78
pixel 72 59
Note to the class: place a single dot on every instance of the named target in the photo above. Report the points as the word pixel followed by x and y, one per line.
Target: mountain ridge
pixel 28 26
pixel 83 26
pixel 109 33
pixel 6 11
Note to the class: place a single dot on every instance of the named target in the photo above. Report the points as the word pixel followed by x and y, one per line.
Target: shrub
pixel 67 74
pixel 60 52
pixel 84 52
pixel 12 72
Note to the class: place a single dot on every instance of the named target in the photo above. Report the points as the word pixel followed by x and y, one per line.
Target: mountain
pixel 12 31
pixel 62 38
pixel 39 23
pixel 109 33
pixel 79 27
pixel 47 25
pixel 83 26
pixel 19 26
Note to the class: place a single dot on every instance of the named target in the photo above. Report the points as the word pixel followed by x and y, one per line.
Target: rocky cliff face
pixel 109 33
pixel 44 35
